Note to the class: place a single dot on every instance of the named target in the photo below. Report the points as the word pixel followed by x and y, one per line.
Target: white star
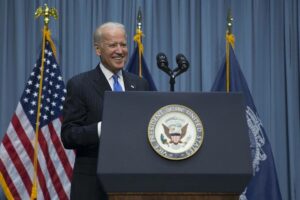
pixel 54 66
pixel 35 94
pixel 47 70
pixel 59 78
pixel 62 98
pixel 46 51
pixel 29 82
pixel 39 77
pixel 55 95
pixel 49 91
pixel 25 100
pixel 53 104
pixel 64 90
pixel 61 107
pixel 37 85
pixel 45 117
pixel 47 108
pixel 49 53
pixel 52 112
pixel 48 62
pixel 33 103
pixel 27 91
pixel 57 86
pixel 52 74
pixel 51 83
pixel 31 112
pixel 48 100
pixel 32 73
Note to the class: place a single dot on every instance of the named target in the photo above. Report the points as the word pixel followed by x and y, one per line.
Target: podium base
pixel 173 196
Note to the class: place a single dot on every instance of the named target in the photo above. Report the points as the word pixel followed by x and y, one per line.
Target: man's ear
pixel 97 50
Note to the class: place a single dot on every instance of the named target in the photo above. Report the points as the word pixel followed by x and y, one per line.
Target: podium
pixel 129 168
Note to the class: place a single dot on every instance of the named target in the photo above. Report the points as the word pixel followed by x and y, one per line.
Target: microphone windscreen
pixel 182 62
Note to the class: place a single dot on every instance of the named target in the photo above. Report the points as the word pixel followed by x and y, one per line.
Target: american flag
pixel 55 164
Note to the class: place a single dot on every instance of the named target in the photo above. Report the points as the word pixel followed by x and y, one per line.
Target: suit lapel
pixel 99 81
pixel 101 84
pixel 128 83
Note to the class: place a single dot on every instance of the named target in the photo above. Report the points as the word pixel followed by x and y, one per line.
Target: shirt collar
pixel 108 74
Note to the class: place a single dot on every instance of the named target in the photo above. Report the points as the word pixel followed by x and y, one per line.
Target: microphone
pixel 162 63
pixel 183 64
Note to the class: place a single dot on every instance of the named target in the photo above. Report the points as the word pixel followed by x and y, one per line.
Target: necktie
pixel 117 86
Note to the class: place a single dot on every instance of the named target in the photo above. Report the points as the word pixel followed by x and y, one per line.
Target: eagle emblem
pixel 174 134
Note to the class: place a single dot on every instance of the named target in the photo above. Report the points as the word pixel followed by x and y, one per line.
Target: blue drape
pixel 267 47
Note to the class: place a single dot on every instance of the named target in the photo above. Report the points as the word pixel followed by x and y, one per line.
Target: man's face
pixel 113 49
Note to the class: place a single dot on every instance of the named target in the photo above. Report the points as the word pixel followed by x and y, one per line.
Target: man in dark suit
pixel 82 114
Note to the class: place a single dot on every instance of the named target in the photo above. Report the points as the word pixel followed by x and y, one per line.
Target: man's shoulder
pixel 141 83
pixel 131 76
pixel 84 76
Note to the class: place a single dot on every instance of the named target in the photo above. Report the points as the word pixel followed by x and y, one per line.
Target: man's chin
pixel 119 66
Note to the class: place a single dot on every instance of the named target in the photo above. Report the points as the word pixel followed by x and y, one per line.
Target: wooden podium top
pixel 173 196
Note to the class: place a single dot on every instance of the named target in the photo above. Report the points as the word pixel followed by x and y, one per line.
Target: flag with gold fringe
pixel 33 161
pixel 137 63
pixel 264 184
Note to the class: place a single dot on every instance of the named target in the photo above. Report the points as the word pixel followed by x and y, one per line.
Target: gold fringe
pixel 229 41
pixel 138 38
pixel 5 188
pixel 47 34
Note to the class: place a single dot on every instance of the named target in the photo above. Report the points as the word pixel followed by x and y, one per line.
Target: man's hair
pixel 99 31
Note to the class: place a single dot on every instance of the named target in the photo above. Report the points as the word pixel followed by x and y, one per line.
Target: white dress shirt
pixel 108 75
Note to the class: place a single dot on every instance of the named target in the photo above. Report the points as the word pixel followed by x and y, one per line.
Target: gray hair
pixel 99 31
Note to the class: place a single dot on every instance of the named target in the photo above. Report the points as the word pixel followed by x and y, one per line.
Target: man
pixel 82 115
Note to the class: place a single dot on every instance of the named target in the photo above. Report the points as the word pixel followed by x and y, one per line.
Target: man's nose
pixel 119 48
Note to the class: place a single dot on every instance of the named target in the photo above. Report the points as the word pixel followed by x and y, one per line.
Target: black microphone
pixel 183 64
pixel 162 63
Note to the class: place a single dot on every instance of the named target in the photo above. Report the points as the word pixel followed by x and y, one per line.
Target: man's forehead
pixel 111 35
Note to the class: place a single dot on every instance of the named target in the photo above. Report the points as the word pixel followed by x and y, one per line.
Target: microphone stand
pixel 172 81
pixel 162 64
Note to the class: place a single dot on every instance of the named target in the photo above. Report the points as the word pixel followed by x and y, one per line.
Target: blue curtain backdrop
pixel 267 48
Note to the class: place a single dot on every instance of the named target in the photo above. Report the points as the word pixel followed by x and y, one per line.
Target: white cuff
pixel 99 128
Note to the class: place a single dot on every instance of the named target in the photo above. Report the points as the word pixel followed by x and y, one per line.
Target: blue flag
pixel 264 184
pixel 133 67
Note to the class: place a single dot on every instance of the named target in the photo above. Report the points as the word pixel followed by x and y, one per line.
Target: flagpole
pixel 46 13
pixel 138 38
pixel 229 41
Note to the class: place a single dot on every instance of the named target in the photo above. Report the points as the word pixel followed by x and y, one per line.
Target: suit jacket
pixel 82 111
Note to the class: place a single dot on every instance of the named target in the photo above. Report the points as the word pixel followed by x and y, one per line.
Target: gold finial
pixel 47 12
pixel 229 22
pixel 139 19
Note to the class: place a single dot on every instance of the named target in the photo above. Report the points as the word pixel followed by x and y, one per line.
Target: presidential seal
pixel 175 132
